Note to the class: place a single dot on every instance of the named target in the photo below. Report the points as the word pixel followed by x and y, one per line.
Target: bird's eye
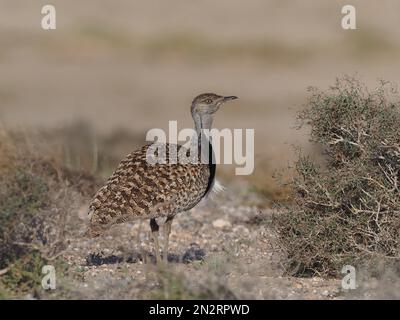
pixel 208 101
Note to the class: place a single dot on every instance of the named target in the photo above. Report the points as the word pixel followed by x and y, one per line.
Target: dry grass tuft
pixel 38 203
pixel 175 285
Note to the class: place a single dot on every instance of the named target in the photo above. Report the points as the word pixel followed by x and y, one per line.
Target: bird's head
pixel 209 103
pixel 204 106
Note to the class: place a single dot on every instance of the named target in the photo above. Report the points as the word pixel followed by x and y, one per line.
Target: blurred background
pixel 118 68
pixel 75 100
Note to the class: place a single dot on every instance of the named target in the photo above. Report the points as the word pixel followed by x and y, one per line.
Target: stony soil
pixel 220 249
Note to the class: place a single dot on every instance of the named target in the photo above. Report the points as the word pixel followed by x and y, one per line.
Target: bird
pixel 139 190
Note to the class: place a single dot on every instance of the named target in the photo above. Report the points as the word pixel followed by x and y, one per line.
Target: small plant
pixel 347 211
pixel 38 199
pixel 176 286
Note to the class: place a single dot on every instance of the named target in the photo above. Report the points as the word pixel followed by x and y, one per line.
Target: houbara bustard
pixel 159 191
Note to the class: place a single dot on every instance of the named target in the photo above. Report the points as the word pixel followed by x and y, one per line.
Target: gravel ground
pixel 218 250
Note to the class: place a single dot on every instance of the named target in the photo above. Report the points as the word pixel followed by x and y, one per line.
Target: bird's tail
pixel 92 232
pixel 218 187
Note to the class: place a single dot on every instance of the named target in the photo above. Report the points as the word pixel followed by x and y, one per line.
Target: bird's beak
pixel 228 98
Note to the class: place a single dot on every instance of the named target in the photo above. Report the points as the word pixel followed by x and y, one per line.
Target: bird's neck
pixel 203 124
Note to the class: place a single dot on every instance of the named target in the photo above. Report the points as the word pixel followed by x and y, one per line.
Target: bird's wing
pixel 138 189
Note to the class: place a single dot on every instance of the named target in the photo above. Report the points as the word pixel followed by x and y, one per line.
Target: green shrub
pixel 348 210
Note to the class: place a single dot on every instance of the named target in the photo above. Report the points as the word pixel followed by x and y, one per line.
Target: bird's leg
pixel 167 231
pixel 140 245
pixel 154 233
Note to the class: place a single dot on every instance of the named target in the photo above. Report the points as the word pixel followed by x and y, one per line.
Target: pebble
pixel 221 224
pixel 298 286
pixel 241 229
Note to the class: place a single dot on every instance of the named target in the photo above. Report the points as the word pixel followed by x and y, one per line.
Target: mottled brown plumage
pixel 139 189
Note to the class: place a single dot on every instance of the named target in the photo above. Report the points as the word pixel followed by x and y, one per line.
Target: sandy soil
pixel 221 249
